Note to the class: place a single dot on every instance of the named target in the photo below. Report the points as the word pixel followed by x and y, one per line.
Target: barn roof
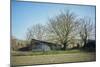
pixel 39 41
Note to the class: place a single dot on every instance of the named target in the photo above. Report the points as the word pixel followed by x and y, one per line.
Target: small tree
pixel 13 43
pixel 86 29
pixel 35 32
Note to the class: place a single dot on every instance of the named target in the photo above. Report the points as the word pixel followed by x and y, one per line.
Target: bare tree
pixel 87 29
pixel 35 32
pixel 62 28
pixel 13 43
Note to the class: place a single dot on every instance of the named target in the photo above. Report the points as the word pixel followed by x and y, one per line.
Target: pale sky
pixel 25 14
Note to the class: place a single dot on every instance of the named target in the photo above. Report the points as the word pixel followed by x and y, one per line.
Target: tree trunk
pixel 64 46
pixel 85 42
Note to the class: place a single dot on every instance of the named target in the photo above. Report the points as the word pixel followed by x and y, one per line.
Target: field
pixel 45 58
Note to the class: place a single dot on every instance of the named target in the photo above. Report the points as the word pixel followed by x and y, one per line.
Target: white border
pixel 4 33
pixel 87 2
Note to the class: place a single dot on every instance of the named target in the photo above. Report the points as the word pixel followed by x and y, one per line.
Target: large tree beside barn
pixel 62 27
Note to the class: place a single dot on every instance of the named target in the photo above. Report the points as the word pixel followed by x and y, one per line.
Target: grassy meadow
pixel 34 58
